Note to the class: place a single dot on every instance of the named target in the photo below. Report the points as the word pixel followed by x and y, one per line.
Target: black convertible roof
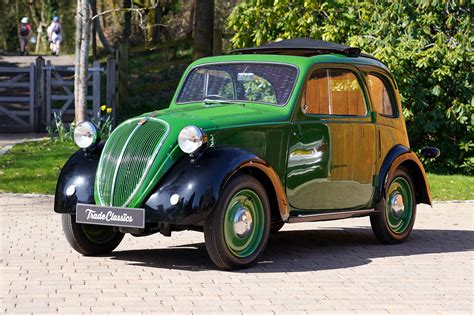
pixel 302 47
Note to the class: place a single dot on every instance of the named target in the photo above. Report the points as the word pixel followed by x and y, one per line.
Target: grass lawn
pixel 33 167
pixel 451 187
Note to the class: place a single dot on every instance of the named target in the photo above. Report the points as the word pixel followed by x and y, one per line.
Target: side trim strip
pixel 329 216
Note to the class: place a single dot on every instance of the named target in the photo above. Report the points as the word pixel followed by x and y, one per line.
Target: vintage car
pixel 293 131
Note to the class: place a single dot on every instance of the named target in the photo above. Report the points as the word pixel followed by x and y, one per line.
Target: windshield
pixel 252 82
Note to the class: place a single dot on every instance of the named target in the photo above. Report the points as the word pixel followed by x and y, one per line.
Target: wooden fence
pixel 31 96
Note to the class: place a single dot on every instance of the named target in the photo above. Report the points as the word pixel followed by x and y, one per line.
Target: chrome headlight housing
pixel 191 138
pixel 86 134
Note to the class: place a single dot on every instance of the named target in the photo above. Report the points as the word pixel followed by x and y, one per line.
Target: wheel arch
pixel 401 156
pixel 270 182
pixel 79 171
pixel 207 175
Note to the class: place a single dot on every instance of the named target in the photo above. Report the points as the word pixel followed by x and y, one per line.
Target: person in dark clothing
pixel 24 34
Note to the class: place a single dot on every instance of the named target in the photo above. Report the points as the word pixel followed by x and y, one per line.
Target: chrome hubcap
pixel 396 204
pixel 242 223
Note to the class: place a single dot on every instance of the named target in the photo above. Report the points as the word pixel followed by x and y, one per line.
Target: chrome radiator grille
pixel 126 159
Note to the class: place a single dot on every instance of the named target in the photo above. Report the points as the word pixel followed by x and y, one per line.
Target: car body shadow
pixel 308 250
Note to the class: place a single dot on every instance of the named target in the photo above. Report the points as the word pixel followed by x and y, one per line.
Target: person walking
pixel 55 31
pixel 24 34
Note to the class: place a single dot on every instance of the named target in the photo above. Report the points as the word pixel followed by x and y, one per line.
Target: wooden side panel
pixel 353 152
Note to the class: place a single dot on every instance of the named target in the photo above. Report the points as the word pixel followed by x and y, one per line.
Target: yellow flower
pixel 103 107
pixel 109 110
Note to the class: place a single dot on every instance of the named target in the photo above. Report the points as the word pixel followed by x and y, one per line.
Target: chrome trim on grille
pixel 119 160
pixel 99 169
pixel 112 190
pixel 151 160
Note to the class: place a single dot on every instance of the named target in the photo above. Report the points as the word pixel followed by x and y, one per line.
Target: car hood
pixel 217 116
pixel 142 149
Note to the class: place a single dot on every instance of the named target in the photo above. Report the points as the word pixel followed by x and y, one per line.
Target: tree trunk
pixel 82 60
pixel 203 34
pixel 79 111
pixel 157 20
pixel 98 28
pixel 122 58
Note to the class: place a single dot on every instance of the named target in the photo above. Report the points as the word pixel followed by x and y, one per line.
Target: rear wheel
pixel 89 239
pixel 394 222
pixel 237 231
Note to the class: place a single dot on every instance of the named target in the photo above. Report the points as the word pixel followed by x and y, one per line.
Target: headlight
pixel 85 134
pixel 191 138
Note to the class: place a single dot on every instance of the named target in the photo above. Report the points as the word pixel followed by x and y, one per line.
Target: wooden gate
pixel 60 91
pixel 17 99
pixel 31 96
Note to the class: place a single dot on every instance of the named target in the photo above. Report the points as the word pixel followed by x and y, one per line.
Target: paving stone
pixel 326 267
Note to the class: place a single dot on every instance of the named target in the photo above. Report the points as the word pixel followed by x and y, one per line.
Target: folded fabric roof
pixel 301 47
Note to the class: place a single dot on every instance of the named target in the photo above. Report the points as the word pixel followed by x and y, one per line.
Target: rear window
pixel 253 82
pixel 380 96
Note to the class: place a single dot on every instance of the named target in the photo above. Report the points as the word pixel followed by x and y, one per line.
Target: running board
pixel 329 216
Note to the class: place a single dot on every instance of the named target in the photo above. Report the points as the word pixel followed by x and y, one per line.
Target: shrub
pixel 426 44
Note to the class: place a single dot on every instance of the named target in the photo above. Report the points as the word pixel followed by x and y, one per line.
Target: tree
pixel 426 44
pixel 81 62
pixel 204 29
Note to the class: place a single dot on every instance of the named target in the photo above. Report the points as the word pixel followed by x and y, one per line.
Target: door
pixel 332 151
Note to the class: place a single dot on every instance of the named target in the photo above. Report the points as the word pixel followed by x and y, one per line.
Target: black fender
pixel 398 156
pixel 79 171
pixel 199 182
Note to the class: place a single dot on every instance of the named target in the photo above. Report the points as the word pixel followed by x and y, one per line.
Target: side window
pixel 380 96
pixel 334 92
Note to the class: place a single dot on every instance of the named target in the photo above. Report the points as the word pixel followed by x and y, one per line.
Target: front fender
pixel 197 185
pixel 79 171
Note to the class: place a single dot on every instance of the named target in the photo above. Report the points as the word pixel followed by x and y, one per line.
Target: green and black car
pixel 293 131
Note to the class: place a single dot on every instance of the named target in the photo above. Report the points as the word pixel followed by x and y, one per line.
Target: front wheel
pixel 237 231
pixel 394 222
pixel 89 239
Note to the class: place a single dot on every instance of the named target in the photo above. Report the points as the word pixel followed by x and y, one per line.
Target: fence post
pixel 111 86
pixel 32 97
pixel 39 95
pixel 95 89
pixel 48 93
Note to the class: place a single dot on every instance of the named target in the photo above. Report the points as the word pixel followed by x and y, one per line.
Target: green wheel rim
pixel 98 234
pixel 399 205
pixel 243 234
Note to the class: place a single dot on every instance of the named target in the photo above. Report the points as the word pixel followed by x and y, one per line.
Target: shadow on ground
pixel 309 250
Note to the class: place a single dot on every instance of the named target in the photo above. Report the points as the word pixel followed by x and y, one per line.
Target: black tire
pixel 383 222
pixel 276 226
pixel 90 239
pixel 216 231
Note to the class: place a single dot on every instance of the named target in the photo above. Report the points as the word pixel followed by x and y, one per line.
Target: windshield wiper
pixel 208 101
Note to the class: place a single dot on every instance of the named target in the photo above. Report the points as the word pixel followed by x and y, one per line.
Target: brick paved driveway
pixel 308 267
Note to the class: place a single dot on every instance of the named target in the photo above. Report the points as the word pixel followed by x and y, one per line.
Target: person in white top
pixel 55 31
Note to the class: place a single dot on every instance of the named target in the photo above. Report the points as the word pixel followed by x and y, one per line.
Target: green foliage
pixel 64 132
pixel 259 90
pixel 426 44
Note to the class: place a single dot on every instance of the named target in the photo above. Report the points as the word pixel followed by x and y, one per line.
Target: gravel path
pixel 23 61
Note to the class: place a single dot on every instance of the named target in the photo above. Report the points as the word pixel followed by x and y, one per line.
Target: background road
pixel 308 267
